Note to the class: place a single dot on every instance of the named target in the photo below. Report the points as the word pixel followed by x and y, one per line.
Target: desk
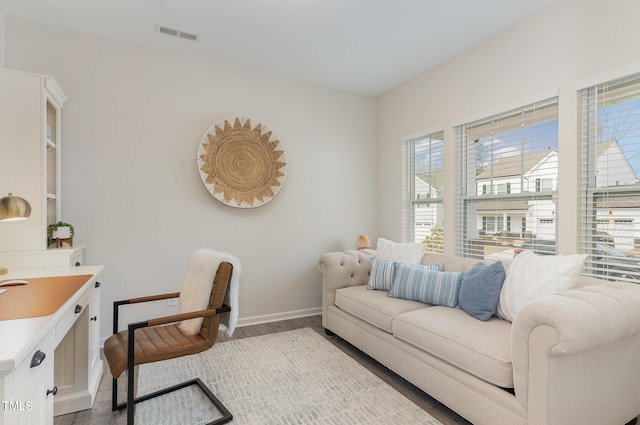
pixel 51 365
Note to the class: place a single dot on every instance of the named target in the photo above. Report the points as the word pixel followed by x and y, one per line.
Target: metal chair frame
pixel 131 400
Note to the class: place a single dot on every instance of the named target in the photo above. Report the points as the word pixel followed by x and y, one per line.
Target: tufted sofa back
pixel 450 263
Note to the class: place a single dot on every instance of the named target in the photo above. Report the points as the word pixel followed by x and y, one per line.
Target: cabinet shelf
pixel 31 125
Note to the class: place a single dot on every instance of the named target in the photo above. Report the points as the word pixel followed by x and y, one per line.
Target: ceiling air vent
pixel 163 29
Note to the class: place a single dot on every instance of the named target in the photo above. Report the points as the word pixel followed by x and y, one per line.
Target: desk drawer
pixel 76 259
pixel 24 372
pixel 70 316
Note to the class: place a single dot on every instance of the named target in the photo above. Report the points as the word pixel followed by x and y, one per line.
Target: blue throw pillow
pixel 381 274
pixel 422 284
pixel 480 290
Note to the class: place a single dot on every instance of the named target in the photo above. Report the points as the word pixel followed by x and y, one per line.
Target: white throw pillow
pixel 530 276
pixel 409 253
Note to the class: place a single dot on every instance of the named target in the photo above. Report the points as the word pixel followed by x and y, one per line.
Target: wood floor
pixel 101 413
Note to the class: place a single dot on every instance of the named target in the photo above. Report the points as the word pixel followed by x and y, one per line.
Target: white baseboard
pixel 267 318
pixel 276 317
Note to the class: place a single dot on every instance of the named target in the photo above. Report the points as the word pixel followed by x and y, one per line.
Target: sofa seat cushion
pixel 480 348
pixel 374 307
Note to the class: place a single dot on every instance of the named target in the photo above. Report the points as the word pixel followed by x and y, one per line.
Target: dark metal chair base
pixel 226 415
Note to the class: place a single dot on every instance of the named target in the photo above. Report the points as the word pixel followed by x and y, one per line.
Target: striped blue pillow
pixel 420 284
pixel 381 275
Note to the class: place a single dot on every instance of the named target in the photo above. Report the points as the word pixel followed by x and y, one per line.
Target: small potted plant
pixel 60 231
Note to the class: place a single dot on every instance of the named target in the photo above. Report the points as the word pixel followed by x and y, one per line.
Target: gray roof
pixel 517 165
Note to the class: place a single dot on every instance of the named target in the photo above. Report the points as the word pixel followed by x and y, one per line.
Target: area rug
pixel 293 377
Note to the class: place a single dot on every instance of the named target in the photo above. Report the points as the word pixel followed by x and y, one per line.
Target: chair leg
pixel 226 415
pixel 130 405
pixel 114 396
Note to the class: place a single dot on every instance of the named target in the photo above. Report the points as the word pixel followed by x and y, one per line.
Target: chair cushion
pixel 480 348
pixel 151 344
pixel 373 307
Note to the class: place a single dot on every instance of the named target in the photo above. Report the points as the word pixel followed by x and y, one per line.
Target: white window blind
pixel 507 169
pixel 610 192
pixel 423 191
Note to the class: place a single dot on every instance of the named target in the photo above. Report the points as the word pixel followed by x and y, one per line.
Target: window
pixel 507 168
pixel 610 192
pixel 503 188
pixel 492 224
pixel 544 185
pixel 423 190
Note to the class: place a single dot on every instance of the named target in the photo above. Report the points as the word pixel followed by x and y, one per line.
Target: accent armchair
pixel 164 338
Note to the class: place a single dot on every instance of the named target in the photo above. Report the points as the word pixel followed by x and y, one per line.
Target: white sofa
pixel 568 358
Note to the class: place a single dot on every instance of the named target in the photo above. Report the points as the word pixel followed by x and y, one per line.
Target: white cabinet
pixel 32 405
pixel 30 142
pixel 32 400
pixel 78 366
pixel 95 362
pixel 66 256
pixel 66 342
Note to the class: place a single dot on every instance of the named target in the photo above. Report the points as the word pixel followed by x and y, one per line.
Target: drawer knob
pixel 78 308
pixel 37 358
pixel 53 391
pixel 97 285
pixel 94 318
pixel 78 264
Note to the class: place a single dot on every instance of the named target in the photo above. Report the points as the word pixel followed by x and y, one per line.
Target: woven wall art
pixel 242 164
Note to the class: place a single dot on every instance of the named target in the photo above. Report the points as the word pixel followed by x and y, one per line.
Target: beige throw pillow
pixel 409 253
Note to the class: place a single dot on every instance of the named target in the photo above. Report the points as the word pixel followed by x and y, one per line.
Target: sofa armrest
pixel 343 269
pixel 575 355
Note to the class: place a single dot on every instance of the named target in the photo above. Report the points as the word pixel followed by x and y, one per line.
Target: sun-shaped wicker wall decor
pixel 242 166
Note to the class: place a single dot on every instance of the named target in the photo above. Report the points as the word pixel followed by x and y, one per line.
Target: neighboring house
pixel 428 215
pixel 612 166
pixel 617 213
pixel 531 173
pixel 499 208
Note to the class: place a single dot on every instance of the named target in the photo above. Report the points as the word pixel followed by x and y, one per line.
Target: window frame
pixel 608 209
pixel 471 206
pixel 412 200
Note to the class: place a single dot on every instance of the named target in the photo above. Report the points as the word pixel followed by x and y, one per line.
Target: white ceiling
pixel 362 46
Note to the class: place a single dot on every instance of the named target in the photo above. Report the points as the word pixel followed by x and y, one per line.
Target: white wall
pixel 3 37
pixel 551 51
pixel 131 130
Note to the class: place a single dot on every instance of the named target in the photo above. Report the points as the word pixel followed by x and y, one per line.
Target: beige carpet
pixel 293 377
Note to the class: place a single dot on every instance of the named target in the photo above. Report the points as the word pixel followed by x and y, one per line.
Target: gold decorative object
pixel 13 208
pixel 363 242
pixel 243 166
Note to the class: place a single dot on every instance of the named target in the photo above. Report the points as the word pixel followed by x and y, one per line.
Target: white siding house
pixel 537 173
pixel 504 210
pixel 427 215
pixel 617 213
